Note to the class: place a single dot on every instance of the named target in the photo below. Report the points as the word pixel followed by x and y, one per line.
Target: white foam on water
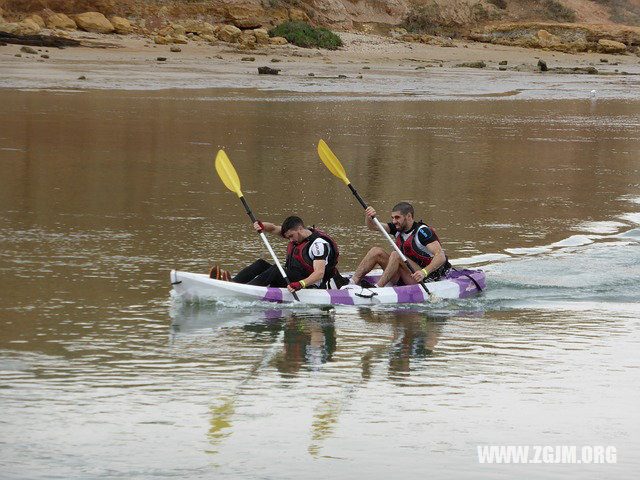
pixel 631 217
pixel 486 257
pixel 630 198
pixel 600 227
pixel 527 250
pixel 633 234
pixel 500 225
pixel 573 241
pixel 585 306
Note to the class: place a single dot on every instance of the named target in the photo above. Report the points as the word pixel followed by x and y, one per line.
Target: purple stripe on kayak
pixel 273 295
pixel 410 294
pixel 467 287
pixel 372 279
pixel 341 297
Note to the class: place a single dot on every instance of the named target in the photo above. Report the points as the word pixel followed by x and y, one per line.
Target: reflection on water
pixel 103 376
pixel 298 342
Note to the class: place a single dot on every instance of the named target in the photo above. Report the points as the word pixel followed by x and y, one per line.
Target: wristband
pixel 424 270
pixel 304 285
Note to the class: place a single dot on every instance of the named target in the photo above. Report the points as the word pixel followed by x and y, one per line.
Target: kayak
pixel 456 284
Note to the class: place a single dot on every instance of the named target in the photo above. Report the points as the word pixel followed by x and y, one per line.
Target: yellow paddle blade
pixel 331 161
pixel 227 173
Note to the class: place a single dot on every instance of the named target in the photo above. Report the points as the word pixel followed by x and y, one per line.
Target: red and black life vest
pixel 298 255
pixel 410 246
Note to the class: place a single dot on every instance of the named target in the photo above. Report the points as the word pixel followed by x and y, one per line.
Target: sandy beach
pixel 366 65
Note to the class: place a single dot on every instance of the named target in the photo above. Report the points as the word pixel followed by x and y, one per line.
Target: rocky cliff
pixel 349 14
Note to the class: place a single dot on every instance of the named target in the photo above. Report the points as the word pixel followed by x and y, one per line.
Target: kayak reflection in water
pixel 417 241
pixel 312 259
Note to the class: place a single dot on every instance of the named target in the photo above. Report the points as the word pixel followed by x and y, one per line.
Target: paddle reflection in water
pixel 413 334
pixel 331 353
pixel 293 340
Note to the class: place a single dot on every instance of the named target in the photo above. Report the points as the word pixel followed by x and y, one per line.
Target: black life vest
pixel 410 246
pixel 298 256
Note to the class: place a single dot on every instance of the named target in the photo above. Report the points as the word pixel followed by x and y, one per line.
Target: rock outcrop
pixel 60 21
pixel 94 22
pixel 562 37
pixel 245 23
pixel 611 46
pixel 25 27
pixel 121 25
pixel 37 19
pixel 229 33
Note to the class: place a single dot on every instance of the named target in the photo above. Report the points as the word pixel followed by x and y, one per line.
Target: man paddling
pixel 312 259
pixel 417 241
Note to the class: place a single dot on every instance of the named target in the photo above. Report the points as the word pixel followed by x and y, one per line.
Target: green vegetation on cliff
pixel 304 35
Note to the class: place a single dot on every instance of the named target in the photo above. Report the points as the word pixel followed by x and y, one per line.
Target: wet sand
pixel 367 64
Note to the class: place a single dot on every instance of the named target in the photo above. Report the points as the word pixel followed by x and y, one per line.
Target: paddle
pixel 230 179
pixel 335 167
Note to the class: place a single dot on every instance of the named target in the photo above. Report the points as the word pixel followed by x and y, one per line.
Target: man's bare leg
pixel 391 271
pixel 406 274
pixel 375 256
pixel 397 269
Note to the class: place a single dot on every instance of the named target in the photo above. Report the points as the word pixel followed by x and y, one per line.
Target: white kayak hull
pixel 197 287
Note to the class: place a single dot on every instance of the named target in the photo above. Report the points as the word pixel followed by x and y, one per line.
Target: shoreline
pixel 367 65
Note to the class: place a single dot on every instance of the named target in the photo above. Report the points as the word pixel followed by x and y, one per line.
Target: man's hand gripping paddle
pixel 335 167
pixel 230 179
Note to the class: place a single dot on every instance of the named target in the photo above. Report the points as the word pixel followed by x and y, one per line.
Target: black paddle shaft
pixel 406 262
pixel 253 219
pixel 249 212
pixel 358 197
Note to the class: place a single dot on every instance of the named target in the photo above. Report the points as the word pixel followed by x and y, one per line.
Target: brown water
pixel 103 192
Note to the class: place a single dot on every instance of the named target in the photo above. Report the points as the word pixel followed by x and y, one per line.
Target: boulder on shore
pixel 211 39
pixel 262 36
pixel 60 21
pixel 181 39
pixel 479 64
pixel 562 37
pixel 278 41
pixel 25 27
pixel 268 71
pixel 161 40
pixel 198 27
pixel 611 46
pixel 8 27
pixel 247 39
pixel 121 25
pixel 229 33
pixel 37 19
pixel 94 22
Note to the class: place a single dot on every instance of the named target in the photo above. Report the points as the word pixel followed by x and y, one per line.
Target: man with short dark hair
pixel 418 242
pixel 312 259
